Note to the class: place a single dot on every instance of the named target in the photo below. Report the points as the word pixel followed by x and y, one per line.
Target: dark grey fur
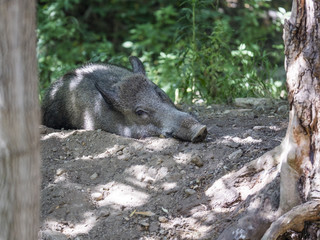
pixel 116 100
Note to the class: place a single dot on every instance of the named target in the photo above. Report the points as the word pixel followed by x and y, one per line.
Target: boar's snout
pixel 187 128
pixel 199 133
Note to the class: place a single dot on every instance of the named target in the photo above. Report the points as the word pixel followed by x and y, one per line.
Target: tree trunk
pixel 19 122
pixel 298 156
pixel 301 36
pixel 300 172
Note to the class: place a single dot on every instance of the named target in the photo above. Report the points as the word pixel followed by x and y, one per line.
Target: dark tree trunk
pixel 19 122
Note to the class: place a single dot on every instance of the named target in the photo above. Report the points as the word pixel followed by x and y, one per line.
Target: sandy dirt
pixel 97 185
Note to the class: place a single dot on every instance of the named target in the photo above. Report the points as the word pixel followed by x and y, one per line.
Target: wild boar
pixel 117 100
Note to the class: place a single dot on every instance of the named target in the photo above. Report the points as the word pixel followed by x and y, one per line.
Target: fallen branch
pixel 294 219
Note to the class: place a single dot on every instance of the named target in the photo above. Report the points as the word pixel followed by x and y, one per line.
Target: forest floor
pixel 97 185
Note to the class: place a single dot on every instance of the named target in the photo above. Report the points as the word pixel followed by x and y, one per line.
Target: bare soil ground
pixel 98 185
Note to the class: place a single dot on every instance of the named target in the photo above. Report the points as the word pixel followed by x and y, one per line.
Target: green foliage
pixel 64 43
pixel 229 56
pixel 196 50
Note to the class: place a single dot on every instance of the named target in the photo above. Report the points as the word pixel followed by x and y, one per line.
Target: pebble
pixel 94 176
pixel 54 149
pixel 163 219
pixel 124 157
pixel 196 160
pixel 258 127
pixel 144 223
pixel 233 144
pixel 195 186
pixel 60 171
pixel 235 155
pixel 97 196
pixel 103 213
pixel 189 191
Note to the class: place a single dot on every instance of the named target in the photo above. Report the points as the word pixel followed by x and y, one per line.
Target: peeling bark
pixel 299 153
pixel 301 36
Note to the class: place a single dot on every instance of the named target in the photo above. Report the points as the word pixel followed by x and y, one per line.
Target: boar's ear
pixel 111 97
pixel 137 65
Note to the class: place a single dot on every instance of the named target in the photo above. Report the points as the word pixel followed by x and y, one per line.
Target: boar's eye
pixel 141 113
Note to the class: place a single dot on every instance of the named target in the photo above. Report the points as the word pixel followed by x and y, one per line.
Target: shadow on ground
pixel 98 185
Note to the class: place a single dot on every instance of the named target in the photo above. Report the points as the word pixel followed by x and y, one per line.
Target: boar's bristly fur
pixel 117 100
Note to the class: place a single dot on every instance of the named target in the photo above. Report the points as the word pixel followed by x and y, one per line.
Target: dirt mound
pixel 98 185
